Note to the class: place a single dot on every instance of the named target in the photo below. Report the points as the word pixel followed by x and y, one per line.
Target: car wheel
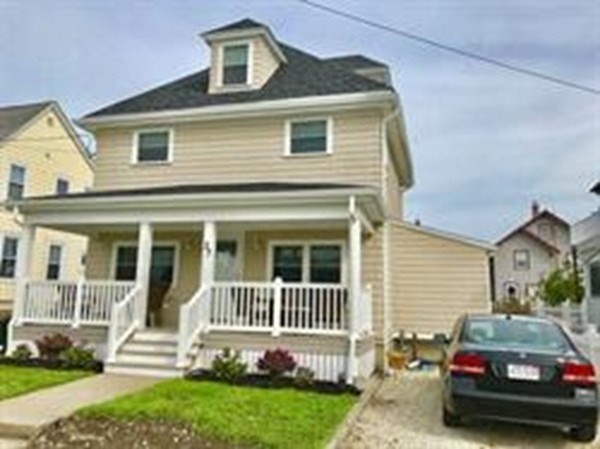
pixel 450 419
pixel 583 433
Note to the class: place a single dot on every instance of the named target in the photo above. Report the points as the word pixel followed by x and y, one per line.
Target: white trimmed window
pixel 521 259
pixel 16 182
pixel 153 146
pixel 62 186
pixel 8 264
pixel 309 137
pixel 236 64
pixel 308 262
pixel 163 267
pixel 53 269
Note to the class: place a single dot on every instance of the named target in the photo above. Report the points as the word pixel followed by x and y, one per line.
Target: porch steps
pixel 148 353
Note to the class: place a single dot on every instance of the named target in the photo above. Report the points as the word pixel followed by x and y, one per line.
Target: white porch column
pixel 355 286
pixel 209 251
pixel 24 252
pixel 142 276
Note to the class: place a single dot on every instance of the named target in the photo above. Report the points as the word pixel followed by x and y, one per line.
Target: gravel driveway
pixel 405 413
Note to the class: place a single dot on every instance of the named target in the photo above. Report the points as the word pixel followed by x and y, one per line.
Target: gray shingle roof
pixel 255 187
pixel 243 24
pixel 355 62
pixel 12 118
pixel 303 75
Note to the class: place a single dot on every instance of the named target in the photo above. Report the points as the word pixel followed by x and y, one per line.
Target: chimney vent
pixel 535 208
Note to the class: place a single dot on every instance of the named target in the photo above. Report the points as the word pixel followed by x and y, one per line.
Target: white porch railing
pixel 573 316
pixel 193 318
pixel 279 307
pixel 73 303
pixel 123 322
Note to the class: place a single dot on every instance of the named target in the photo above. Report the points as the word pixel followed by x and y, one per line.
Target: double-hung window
pixel 162 265
pixel 236 64
pixel 54 262
pixel 308 262
pixel 153 146
pixel 16 182
pixel 521 259
pixel 8 264
pixel 62 186
pixel 308 137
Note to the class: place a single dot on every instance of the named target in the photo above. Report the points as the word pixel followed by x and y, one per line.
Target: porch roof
pixel 235 202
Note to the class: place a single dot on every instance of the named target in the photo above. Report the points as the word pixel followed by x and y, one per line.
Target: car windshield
pixel 515 333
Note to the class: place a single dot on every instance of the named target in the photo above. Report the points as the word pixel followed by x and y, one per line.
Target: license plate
pixel 523 372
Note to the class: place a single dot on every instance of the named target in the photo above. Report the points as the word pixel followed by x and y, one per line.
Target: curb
pixel 18 431
pixel 373 385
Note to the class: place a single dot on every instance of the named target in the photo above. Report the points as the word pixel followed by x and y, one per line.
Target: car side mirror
pixel 441 339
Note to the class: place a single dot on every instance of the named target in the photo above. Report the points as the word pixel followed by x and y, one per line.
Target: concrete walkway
pixel 22 416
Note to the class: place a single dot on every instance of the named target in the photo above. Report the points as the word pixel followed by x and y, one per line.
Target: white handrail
pixel 123 322
pixel 193 318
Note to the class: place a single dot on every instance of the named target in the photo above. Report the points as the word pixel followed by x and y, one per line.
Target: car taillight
pixel 468 363
pixel 578 373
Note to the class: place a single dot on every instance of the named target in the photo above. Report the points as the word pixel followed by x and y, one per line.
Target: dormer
pixel 244 55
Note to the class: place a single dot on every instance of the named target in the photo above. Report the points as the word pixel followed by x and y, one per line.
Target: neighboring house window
pixel 16 182
pixel 235 64
pixel 545 232
pixel 309 137
pixel 521 259
pixel 595 279
pixel 62 186
pixel 153 146
pixel 9 257
pixel 54 262
pixel 317 263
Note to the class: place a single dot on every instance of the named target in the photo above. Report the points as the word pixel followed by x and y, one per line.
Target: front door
pixel 228 260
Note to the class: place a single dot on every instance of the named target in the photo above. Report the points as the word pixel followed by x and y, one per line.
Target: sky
pixel 485 142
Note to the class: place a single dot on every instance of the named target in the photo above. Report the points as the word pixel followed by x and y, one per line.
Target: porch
pixel 283 279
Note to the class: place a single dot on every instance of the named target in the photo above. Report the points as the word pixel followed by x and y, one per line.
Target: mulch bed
pixel 96 367
pixel 264 381
pixel 107 433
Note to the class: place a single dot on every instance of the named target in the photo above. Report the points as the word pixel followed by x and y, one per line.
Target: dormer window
pixel 236 66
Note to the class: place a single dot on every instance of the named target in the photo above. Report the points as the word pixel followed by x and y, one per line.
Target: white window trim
pixel 63 259
pixel 134 243
pixel 135 141
pixel 249 71
pixel 306 244
pixel 11 235
pixel 287 144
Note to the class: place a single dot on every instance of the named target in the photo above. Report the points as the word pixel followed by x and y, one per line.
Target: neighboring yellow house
pixel 40 154
pixel 255 204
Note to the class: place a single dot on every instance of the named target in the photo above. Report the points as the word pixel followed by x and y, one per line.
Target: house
pixel 586 239
pixel 529 252
pixel 255 204
pixel 40 154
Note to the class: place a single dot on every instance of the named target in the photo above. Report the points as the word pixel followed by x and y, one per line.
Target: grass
pixel 17 380
pixel 265 418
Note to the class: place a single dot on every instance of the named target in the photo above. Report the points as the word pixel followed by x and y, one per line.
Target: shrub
pixel 512 306
pixel 51 346
pixel 78 357
pixel 276 363
pixel 305 377
pixel 561 285
pixel 229 366
pixel 21 353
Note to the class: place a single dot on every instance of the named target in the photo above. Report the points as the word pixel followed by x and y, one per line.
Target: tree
pixel 562 284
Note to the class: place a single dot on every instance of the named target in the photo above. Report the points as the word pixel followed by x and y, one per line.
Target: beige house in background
pixel 254 204
pixel 40 154
pixel 530 252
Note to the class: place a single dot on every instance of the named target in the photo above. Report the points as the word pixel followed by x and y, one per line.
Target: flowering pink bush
pixel 276 362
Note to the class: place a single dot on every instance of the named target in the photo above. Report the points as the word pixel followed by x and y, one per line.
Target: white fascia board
pixel 254 109
pixel 448 236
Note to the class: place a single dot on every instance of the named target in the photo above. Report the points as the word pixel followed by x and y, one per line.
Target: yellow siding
pixel 263 64
pixel 394 195
pixel 47 152
pixel 434 280
pixel 244 150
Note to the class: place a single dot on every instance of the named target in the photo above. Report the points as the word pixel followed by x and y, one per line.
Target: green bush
pixel 561 285
pixel 305 377
pixel 78 357
pixel 21 353
pixel 51 346
pixel 229 366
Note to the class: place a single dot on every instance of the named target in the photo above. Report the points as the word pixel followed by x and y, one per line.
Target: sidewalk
pixel 22 416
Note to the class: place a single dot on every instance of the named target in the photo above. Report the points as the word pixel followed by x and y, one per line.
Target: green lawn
pixel 267 418
pixel 16 380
